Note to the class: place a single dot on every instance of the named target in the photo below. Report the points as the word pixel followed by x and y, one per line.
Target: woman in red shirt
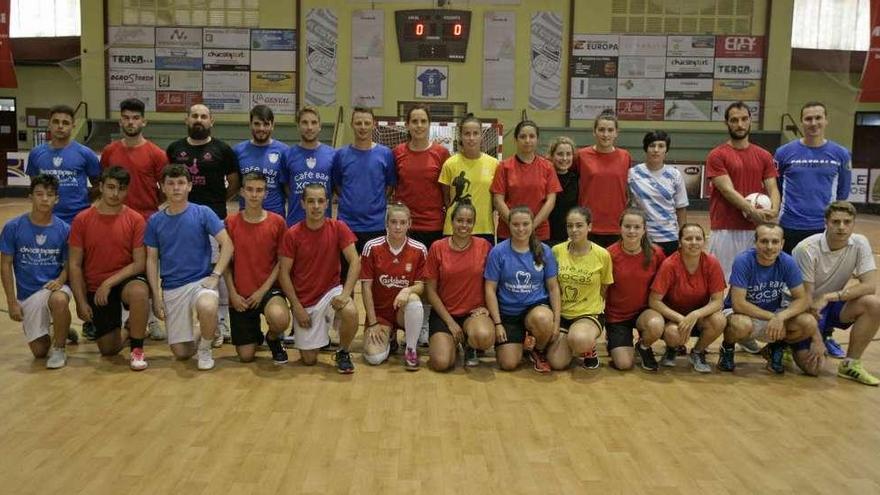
pixel 454 282
pixel 525 179
pixel 635 261
pixel 418 163
pixel 689 291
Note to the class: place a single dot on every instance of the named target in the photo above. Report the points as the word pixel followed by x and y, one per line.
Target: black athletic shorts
pixel 437 325
pixel 620 333
pixel 245 325
pixel 515 325
pixel 109 318
pixel 565 323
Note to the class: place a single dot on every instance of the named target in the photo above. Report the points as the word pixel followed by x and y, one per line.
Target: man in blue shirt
pixel 263 154
pixel 33 267
pixel 178 240
pixel 68 161
pixel 755 306
pixel 308 162
pixel 813 172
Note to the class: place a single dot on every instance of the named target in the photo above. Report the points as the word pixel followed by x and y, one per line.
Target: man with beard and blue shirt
pixel 263 154
pixel 308 162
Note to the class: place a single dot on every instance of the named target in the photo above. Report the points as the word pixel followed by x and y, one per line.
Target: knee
pixel 348 312
pixel 508 364
pixel 277 318
pixel 309 358
pixel 107 351
pixel 872 306
pixel 246 357
pixel 622 363
pixel 414 299
pixel 136 292
pixel 482 339
pixel 559 363
pixel 580 342
pixel 738 327
pixel 441 362
pixel 58 301
pixel 375 358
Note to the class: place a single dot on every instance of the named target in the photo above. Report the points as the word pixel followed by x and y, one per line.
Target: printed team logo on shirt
pixel 57 161
pixel 273 158
pixel 40 238
pixel 182 155
pixel 523 278
pixel 207 156
pixel 570 293
pixel 396 261
pixel 311 162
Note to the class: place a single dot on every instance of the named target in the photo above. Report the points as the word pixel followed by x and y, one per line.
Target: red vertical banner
pixel 870 84
pixel 7 67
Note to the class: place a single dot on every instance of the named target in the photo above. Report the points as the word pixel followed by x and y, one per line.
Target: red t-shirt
pixel 459 274
pixel 315 255
pixel 417 186
pixel 107 242
pixel 628 295
pixel 602 187
pixel 391 272
pixel 144 163
pixel 525 184
pixel 256 249
pixel 747 170
pixel 683 291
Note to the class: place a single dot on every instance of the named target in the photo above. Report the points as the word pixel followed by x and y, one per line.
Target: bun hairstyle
pixel 647 247
pixel 463 204
pixel 535 245
pixel 468 118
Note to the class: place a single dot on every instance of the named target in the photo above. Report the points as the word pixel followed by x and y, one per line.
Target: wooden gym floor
pixel 95 427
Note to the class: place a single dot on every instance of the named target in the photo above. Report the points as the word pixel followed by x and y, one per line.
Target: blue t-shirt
pixel 269 160
pixel 72 165
pixel 361 177
pixel 811 178
pixel 764 285
pixel 520 283
pixel 303 166
pixel 38 252
pixel 184 244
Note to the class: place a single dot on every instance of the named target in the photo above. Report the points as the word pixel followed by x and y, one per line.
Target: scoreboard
pixel 433 34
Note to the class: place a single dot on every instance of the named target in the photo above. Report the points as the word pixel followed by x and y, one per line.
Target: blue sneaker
pixel 774 353
pixel 833 349
pixel 343 362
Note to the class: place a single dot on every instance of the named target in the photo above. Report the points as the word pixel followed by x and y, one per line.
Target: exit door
pixel 8 133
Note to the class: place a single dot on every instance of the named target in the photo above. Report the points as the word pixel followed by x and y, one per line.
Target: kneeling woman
pixel 522 293
pixel 391 270
pixel 454 284
pixel 635 261
pixel 689 291
pixel 584 276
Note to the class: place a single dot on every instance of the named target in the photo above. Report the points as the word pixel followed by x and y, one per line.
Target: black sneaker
pixel 669 357
pixel 73 337
pixel 776 354
pixel 725 359
pixel 343 362
pixel 471 359
pixel 279 355
pixel 89 331
pixel 649 362
pixel 591 359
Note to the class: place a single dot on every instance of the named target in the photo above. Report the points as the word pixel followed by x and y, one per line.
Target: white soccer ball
pixel 759 201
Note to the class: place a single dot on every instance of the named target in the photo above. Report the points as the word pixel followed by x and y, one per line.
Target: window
pixel 44 18
pixel 831 24
pixel 227 13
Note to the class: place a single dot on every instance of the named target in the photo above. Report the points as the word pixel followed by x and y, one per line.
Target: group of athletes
pixel 585 242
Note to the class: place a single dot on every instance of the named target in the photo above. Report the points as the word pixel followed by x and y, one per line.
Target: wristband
pixel 372 324
pixel 499 324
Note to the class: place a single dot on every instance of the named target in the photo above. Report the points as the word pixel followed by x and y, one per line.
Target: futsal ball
pixel 759 201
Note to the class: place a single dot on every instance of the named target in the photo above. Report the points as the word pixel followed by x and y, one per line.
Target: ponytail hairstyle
pixel 463 204
pixel 468 118
pixel 395 207
pixel 647 247
pixel 535 245
pixel 417 106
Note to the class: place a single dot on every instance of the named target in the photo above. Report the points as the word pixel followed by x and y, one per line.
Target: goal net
pixel 446 133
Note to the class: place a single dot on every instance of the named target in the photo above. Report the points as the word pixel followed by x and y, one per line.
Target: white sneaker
pixel 57 358
pixel 206 355
pixel 155 331
pixel 222 334
pixel 138 362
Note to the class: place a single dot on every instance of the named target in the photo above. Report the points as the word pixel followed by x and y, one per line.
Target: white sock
pixel 206 343
pixel 413 315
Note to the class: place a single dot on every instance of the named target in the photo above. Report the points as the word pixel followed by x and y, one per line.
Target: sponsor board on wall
pixel 739 68
pixel 280 103
pixel 226 59
pixel 688 110
pixel 689 89
pixel 593 88
pixel 595 45
pixel 178 37
pixel 643 46
pixel 280 61
pixel 739 46
pixel 689 67
pixel 693 178
pixel 227 38
pixel 691 46
pixel 499 60
pixel 736 89
pixel 586 109
pixel 178 80
pixel 644 67
pixel 367 58
pixel 226 102
pixel 116 96
pixel 594 66
pixel 143 36
pixel 176 101
pixel 179 58
pixel 640 109
pixel 131 79
pixel 273 82
pixel 131 58
pixel 858 192
pixel 226 81
pixel 631 88
pixel 273 39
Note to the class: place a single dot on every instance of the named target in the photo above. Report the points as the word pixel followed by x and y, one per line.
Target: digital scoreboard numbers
pixel 432 34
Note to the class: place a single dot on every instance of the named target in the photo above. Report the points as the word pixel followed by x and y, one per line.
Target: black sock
pixel 729 346
pixel 135 343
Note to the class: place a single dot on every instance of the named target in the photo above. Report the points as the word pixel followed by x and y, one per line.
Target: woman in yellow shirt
pixel 584 276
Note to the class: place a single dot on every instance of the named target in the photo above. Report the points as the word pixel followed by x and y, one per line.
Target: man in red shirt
pixel 253 274
pixel 309 267
pixel 144 162
pixel 107 259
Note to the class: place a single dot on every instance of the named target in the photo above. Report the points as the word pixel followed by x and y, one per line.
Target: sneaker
pixel 855 371
pixel 138 360
pixel 751 346
pixel 206 355
pixel 57 358
pixel 393 346
pixel 471 358
pixel 217 341
pixel 343 362
pixel 279 355
pixel 833 349
pixel 540 362
pixel 698 361
pixel 89 331
pixel 681 350
pixel 155 331
pixel 411 359
pixel 725 359
pixel 649 362
pixel 591 359
pixel 773 355
pixel 224 332
pixel 669 357
pixel 73 337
